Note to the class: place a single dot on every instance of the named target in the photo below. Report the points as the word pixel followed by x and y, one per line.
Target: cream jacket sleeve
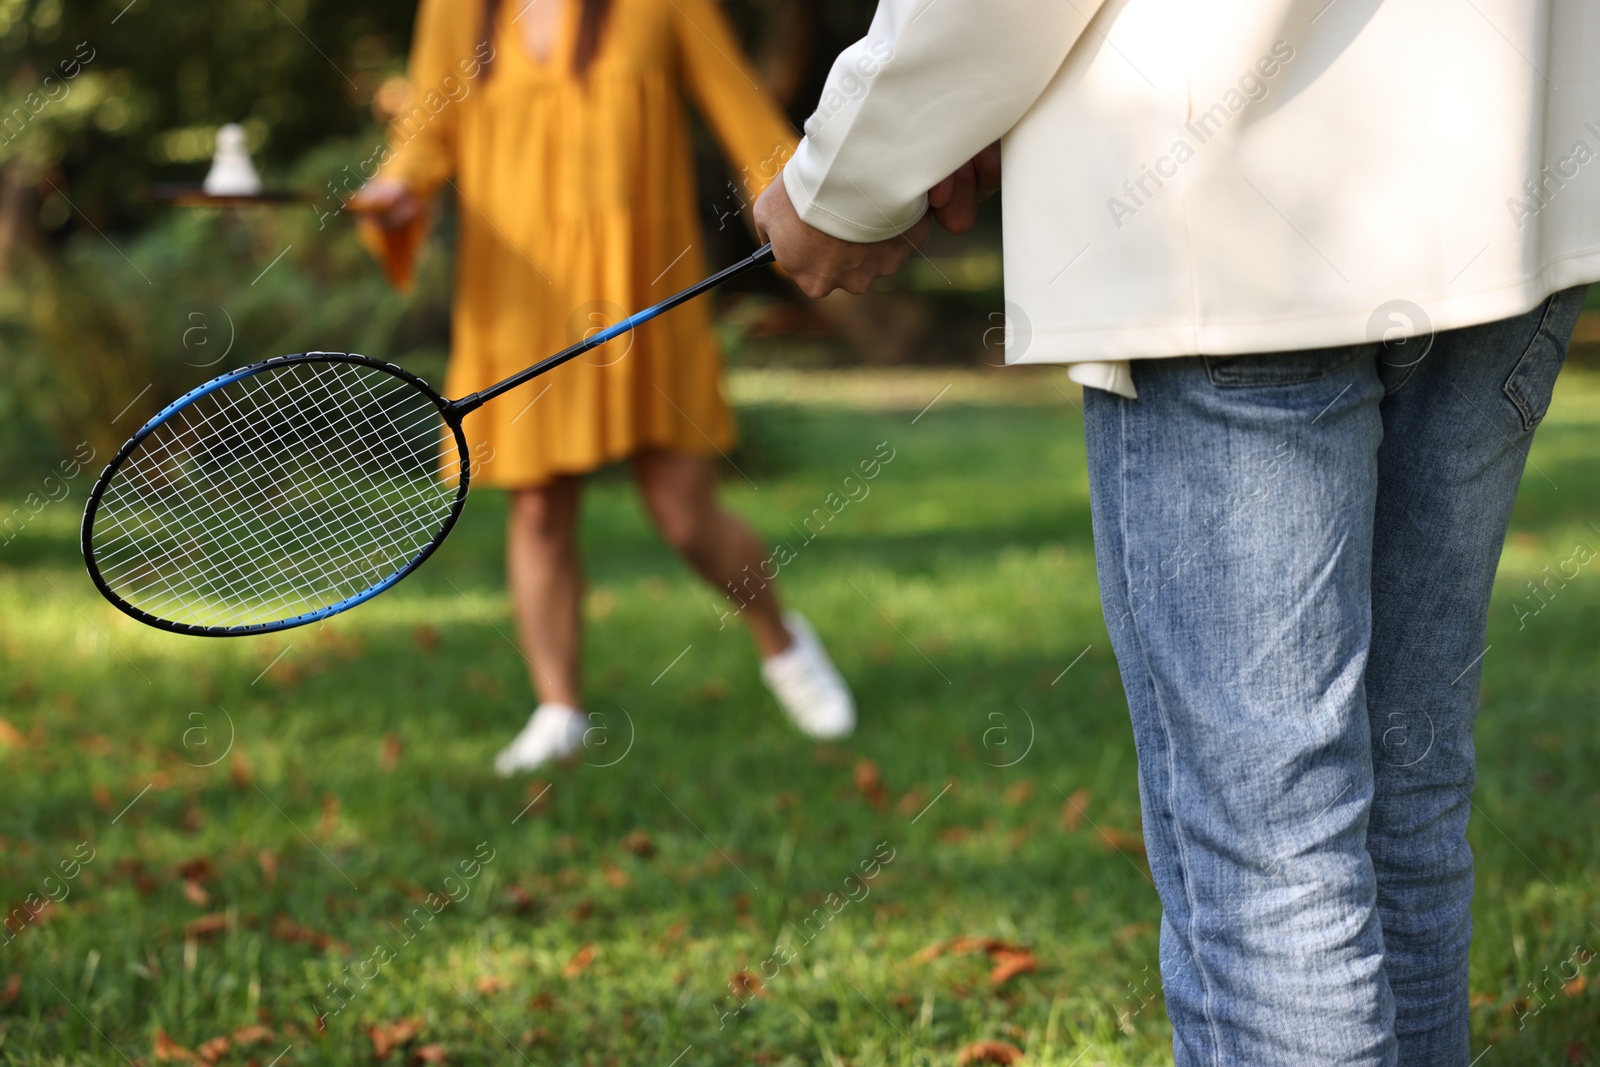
pixel 931 84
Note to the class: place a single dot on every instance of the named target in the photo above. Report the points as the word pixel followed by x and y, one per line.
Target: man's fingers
pixel 819 263
pixel 918 235
pixel 940 194
pixel 859 281
pixel 814 286
pixel 960 213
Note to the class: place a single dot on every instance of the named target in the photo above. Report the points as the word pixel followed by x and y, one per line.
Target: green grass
pixel 954 597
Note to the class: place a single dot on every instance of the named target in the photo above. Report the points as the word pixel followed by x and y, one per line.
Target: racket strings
pixel 253 540
pixel 227 410
pixel 279 494
pixel 293 503
pixel 220 519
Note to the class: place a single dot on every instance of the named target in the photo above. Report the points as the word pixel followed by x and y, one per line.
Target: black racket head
pixel 277 495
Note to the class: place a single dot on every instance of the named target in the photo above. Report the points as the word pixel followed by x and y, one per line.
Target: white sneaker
pixel 808 685
pixel 554 732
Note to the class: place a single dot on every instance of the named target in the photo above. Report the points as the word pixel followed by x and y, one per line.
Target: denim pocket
pixel 1282 368
pixel 1533 379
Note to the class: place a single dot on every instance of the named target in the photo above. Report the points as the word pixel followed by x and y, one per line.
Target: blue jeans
pixel 1295 553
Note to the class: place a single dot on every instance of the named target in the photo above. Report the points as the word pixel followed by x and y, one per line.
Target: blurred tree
pixel 100 98
pixel 153 81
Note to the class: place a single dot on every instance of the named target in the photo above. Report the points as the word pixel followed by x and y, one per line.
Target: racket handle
pixel 760 258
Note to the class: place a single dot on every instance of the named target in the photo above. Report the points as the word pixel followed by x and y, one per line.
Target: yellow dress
pixel 576 206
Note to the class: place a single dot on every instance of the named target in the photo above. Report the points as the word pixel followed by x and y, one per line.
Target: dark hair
pixel 591 22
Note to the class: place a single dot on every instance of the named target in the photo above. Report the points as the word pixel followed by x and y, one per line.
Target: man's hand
pixel 955 200
pixel 820 263
pixel 388 202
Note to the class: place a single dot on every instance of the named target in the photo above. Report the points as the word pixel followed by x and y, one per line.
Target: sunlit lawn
pixel 268 817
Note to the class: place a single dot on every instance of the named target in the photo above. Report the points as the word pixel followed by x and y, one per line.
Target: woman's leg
pixel 680 492
pixel 546 581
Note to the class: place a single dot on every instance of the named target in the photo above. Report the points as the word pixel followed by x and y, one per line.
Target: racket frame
pixel 451 413
pixel 450 416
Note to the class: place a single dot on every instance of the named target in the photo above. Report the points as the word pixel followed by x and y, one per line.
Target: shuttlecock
pixel 231 171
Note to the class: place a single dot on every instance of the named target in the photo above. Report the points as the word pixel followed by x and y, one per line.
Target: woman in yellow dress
pixel 559 126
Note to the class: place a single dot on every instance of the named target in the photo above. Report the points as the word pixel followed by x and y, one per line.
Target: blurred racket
pixel 287 491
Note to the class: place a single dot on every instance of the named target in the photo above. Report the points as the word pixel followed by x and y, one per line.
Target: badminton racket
pixel 291 490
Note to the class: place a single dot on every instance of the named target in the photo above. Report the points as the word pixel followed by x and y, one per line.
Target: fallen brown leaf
pixel 101 797
pixel 1074 809
pixel 965 943
pixel 488 984
pixel 167 1050
pixel 134 871
pixel 582 910
pixel 615 876
pixel 195 893
pixel 213 1050
pixel 330 815
pixel 869 783
pixel 954 834
pixel 199 869
pixel 386 1037
pixel 427 638
pixel 912 802
pixel 673 935
pixel 11 989
pixel 638 843
pixel 254 1034
pixel 239 770
pixel 286 929
pixel 390 751
pixel 519 899
pixel 975 943
pixel 1007 965
pixel 711 692
pixel 269 866
pixel 428 1054
pixel 746 985
pixel 11 737
pixel 989 1052
pixel 208 925
pixel 1576 986
pixel 1020 793
pixel 830 755
pixel 1578 1052
pixel 1122 840
pixel 580 961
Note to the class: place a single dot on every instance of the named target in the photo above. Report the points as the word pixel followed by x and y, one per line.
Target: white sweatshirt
pixel 1233 176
